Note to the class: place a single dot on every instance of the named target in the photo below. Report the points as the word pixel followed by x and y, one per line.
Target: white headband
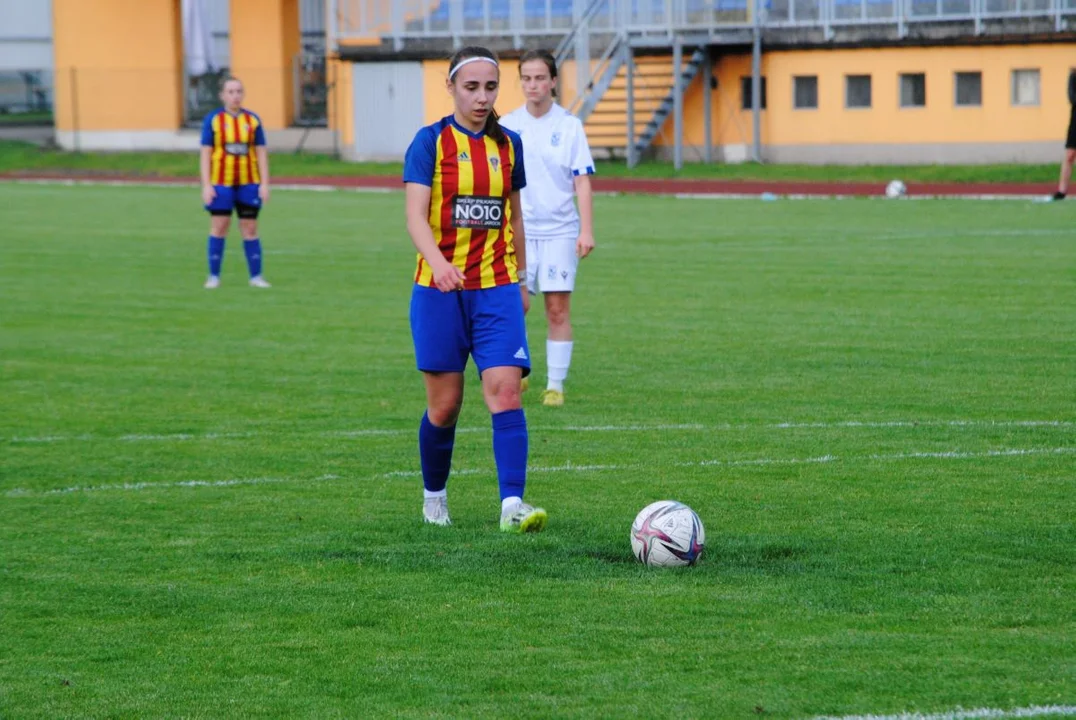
pixel 477 58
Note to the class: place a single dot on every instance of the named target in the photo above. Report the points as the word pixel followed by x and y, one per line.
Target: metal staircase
pixel 607 102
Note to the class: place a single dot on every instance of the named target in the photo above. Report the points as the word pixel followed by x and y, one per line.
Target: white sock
pixel 427 494
pixel 509 503
pixel 558 356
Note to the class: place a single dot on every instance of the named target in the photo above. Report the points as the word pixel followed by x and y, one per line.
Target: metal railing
pixel 408 20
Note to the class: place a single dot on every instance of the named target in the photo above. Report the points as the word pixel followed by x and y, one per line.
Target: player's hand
pixel 263 193
pixel 209 194
pixel 584 245
pixel 447 277
pixel 526 298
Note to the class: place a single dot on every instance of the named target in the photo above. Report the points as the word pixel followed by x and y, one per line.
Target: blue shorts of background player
pixel 243 199
pixel 485 324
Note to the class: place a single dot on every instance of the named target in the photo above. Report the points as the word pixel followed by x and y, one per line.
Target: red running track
pixel 620 185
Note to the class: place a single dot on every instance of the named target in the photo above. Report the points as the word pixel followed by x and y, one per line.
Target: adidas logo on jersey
pixel 521 354
pixel 464 157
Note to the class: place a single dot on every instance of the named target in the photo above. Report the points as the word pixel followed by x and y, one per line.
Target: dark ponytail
pixel 546 57
pixel 493 127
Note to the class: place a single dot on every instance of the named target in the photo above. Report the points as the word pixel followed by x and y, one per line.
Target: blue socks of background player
pixel 253 249
pixel 216 255
pixel 510 451
pixel 435 451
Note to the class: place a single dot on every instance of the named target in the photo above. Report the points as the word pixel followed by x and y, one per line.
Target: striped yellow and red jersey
pixel 233 139
pixel 470 178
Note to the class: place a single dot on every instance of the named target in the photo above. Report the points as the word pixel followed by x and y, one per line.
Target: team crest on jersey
pixel 494 161
pixel 554 139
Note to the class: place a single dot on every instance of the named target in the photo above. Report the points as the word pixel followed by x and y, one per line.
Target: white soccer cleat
pixel 212 282
pixel 435 511
pixel 259 282
pixel 523 518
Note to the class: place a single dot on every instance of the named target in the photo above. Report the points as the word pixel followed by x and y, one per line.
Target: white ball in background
pixel 895 189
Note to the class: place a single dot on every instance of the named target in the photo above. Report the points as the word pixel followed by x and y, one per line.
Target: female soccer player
pixel 559 166
pixel 463 175
pixel 235 176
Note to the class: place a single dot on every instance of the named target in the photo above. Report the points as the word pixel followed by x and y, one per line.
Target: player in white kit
pixel 559 167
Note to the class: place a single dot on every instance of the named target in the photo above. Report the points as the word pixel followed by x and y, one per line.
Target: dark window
pixel 857 91
pixel 913 90
pixel 745 93
pixel 969 89
pixel 805 92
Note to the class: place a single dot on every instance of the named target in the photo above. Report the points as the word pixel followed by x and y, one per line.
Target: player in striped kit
pixel 235 177
pixel 559 167
pixel 462 177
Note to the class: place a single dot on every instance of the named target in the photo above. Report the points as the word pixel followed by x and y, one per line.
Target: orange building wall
pixel 997 120
pixel 438 101
pixel 265 39
pixel 123 61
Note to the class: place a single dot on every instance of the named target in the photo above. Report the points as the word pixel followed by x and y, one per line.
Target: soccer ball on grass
pixel 667 534
pixel 895 189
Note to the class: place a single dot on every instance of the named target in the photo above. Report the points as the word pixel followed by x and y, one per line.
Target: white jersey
pixel 555 150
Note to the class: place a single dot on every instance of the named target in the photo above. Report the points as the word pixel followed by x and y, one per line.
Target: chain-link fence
pixel 310 91
pixel 26 97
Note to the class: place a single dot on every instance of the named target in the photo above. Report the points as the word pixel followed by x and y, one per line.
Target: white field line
pixel 961 714
pixel 568 468
pixel 831 196
pixel 672 427
pixel 822 459
pixel 71 182
pixel 22 492
pixel 612 193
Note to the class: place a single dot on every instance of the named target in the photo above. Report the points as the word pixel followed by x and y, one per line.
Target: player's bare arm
pixel 519 241
pixel 446 276
pixel 585 196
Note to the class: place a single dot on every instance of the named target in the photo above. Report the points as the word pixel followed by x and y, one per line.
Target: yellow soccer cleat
pixel 552 398
pixel 524 384
pixel 523 518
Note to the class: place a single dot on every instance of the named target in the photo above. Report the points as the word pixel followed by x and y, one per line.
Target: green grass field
pixel 209 502
pixel 24 157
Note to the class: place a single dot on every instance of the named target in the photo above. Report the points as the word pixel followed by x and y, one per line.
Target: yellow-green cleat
pixel 523 518
pixel 552 398
pixel 524 384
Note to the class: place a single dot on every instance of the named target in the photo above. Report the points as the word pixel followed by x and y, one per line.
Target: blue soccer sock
pixel 435 451
pixel 510 443
pixel 253 249
pixel 215 251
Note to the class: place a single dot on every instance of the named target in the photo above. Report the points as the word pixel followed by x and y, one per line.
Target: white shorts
pixel 551 265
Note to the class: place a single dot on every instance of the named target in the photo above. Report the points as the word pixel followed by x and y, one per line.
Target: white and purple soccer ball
pixel 895 189
pixel 667 534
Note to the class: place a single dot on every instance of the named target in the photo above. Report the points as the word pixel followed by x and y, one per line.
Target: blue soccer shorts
pixel 486 324
pixel 243 199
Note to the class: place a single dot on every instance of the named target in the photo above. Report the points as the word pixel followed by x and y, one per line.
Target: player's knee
pixel 444 413
pixel 504 396
pixel 249 229
pixel 1070 155
pixel 557 315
